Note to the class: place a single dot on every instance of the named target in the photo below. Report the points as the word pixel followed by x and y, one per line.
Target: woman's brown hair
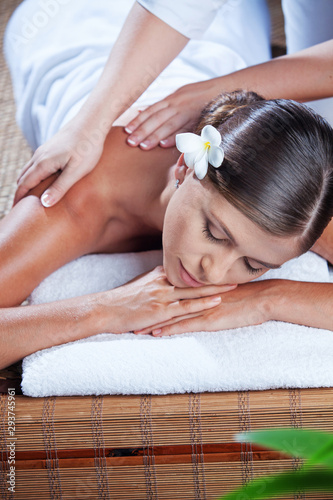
pixel 278 163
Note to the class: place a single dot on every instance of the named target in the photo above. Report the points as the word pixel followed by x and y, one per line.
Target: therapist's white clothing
pixel 307 23
pixel 56 53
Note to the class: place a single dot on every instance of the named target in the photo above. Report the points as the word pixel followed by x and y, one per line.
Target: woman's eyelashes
pixel 252 270
pixel 210 236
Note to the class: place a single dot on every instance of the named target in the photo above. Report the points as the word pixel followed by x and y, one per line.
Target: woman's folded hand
pixel 151 299
pixel 178 112
pixel 248 304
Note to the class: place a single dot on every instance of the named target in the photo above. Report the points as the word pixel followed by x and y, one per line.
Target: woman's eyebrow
pixel 230 236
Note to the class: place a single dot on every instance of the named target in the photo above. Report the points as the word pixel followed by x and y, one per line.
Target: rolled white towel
pixel 266 356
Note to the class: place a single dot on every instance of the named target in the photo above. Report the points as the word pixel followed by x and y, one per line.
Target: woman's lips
pixel 187 278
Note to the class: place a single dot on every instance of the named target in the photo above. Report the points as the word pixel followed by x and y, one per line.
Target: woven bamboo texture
pixel 151 447
pixel 14 151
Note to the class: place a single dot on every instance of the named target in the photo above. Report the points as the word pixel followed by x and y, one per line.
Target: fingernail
pixel 157 332
pixel 216 299
pixel 145 144
pixel 164 143
pixel 46 200
pixel 132 142
pixel 129 130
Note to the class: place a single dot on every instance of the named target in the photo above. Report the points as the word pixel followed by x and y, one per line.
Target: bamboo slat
pixel 160 447
pixel 14 151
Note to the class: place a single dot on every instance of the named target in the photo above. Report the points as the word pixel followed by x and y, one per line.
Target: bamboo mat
pixel 176 447
pixel 14 151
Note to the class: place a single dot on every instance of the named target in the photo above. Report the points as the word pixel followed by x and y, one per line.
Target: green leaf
pixel 323 456
pixel 314 445
pixel 288 482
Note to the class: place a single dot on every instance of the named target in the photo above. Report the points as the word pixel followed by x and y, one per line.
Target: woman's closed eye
pixel 210 236
pixel 252 270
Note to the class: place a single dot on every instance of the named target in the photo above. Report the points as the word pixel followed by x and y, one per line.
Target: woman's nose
pixel 216 268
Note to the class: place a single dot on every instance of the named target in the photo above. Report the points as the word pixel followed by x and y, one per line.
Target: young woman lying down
pixel 252 189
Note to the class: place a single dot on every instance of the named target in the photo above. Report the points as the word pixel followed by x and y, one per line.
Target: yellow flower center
pixel 207 145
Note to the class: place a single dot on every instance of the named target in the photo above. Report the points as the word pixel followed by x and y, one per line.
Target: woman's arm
pixel 309 304
pixel 145 46
pixel 150 298
pixel 302 303
pixel 303 76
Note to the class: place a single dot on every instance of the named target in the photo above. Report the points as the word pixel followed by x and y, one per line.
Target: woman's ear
pixel 181 169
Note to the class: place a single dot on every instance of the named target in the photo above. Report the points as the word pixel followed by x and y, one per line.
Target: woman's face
pixel 208 241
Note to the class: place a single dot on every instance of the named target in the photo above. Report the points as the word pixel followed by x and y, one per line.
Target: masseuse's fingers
pixel 170 141
pixel 34 172
pixel 158 124
pixel 134 124
pixel 177 112
pixel 70 175
pixel 74 150
pixel 148 127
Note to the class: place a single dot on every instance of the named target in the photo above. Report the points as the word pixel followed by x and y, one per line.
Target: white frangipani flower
pixel 201 150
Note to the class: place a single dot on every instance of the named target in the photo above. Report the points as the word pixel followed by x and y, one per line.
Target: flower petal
pixel 215 156
pixel 194 156
pixel 201 167
pixel 200 153
pixel 188 142
pixel 210 134
pixel 189 159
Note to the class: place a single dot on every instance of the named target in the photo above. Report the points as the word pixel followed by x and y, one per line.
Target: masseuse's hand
pixel 151 299
pixel 75 150
pixel 248 304
pixel 159 123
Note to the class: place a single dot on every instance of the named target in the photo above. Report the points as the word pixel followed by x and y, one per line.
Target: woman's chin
pixel 171 274
pixel 172 278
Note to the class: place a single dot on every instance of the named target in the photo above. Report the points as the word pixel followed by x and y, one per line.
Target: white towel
pixel 266 356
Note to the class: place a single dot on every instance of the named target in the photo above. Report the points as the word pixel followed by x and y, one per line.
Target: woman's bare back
pixel 104 212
